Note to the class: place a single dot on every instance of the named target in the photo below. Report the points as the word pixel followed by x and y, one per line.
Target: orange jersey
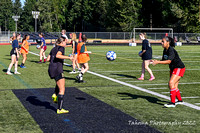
pixel 25 48
pixel 82 57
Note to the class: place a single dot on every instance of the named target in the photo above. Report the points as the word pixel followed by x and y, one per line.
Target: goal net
pixel 152 33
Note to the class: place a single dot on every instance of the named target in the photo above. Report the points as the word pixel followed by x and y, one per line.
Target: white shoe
pixel 179 102
pixel 170 105
pixel 72 72
pixel 17 73
pixel 9 73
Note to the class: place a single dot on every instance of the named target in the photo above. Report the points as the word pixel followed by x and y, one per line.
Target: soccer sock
pixel 8 70
pixel 178 95
pixel 40 60
pixel 44 60
pixel 81 76
pixel 173 95
pixel 60 101
pixel 142 76
pixel 56 90
pixel 73 70
pixel 15 69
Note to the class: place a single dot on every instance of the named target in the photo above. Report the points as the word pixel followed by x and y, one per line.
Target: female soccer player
pixel 146 55
pixel 177 69
pixel 43 48
pixel 83 57
pixel 14 55
pixel 56 58
pixel 24 49
pixel 74 53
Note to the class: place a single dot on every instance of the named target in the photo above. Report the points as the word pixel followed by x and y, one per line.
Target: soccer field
pixel 114 83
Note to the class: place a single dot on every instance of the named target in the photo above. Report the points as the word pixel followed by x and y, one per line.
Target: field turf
pixel 127 68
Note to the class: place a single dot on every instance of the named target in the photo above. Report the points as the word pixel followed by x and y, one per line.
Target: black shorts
pixel 60 76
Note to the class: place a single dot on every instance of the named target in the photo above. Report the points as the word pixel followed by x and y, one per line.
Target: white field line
pixel 190 97
pixel 191 83
pixel 156 88
pixel 161 70
pixel 133 81
pixel 139 88
pixel 165 92
pixel 197 103
pixel 124 78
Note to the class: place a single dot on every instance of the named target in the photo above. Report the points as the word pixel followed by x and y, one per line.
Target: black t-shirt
pixel 171 54
pixel 56 65
pixel 146 46
pixel 76 44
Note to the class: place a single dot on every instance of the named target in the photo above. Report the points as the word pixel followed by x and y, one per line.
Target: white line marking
pixel 165 92
pixel 124 78
pixel 134 81
pixel 156 88
pixel 197 103
pixel 190 97
pixel 141 89
pixel 191 83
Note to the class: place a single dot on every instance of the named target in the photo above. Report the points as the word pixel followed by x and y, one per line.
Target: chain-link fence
pixel 182 37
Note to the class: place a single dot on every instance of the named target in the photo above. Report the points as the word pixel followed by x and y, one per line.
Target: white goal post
pixel 151 29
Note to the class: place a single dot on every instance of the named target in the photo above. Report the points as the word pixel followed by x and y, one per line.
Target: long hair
pixel 144 34
pixel 42 34
pixel 170 40
pixel 84 38
pixel 74 36
pixel 24 38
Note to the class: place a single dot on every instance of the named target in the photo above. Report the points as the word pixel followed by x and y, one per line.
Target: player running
pixel 56 58
pixel 177 69
pixel 43 48
pixel 83 58
pixel 146 55
pixel 14 53
pixel 74 53
pixel 24 49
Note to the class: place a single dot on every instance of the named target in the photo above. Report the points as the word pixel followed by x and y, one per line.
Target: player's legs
pixel 24 60
pixel 147 62
pixel 143 71
pixel 178 94
pixel 13 59
pixel 16 65
pixel 43 54
pixel 174 80
pixel 76 61
pixel 61 86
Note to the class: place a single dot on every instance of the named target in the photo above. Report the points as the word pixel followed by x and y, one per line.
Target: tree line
pixel 101 15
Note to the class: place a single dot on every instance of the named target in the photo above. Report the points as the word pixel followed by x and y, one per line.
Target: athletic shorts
pixel 178 72
pixel 60 76
pixel 44 48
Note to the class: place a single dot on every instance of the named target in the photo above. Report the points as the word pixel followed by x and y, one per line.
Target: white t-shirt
pixel 65 36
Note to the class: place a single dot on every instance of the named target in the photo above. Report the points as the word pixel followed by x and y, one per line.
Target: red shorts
pixel 178 72
pixel 44 48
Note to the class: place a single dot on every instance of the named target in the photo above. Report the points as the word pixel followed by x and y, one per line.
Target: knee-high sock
pixel 60 101
pixel 178 95
pixel 173 95
pixel 56 90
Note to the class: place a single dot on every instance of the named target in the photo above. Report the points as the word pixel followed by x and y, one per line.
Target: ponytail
pixel 60 40
pixel 170 40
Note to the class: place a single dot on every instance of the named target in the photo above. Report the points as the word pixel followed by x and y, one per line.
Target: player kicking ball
pixel 177 69
pixel 56 58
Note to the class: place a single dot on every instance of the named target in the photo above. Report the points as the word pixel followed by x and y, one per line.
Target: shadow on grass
pixel 33 100
pixel 124 75
pixel 66 70
pixel 70 78
pixel 4 70
pixel 129 96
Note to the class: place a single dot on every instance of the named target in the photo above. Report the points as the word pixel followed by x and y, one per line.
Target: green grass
pixel 142 106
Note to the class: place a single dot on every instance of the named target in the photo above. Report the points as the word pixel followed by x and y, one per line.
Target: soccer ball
pixel 139 53
pixel 111 55
pixel 37 47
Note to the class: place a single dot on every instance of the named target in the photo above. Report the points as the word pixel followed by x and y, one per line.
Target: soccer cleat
pixel 22 66
pixel 54 98
pixel 77 77
pixel 62 111
pixel 72 72
pixel 9 73
pixel 140 78
pixel 152 78
pixel 178 102
pixel 169 105
pixel 17 73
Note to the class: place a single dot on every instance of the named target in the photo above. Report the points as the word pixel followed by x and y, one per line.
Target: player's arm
pixel 60 56
pixel 49 57
pixel 161 62
pixel 41 45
